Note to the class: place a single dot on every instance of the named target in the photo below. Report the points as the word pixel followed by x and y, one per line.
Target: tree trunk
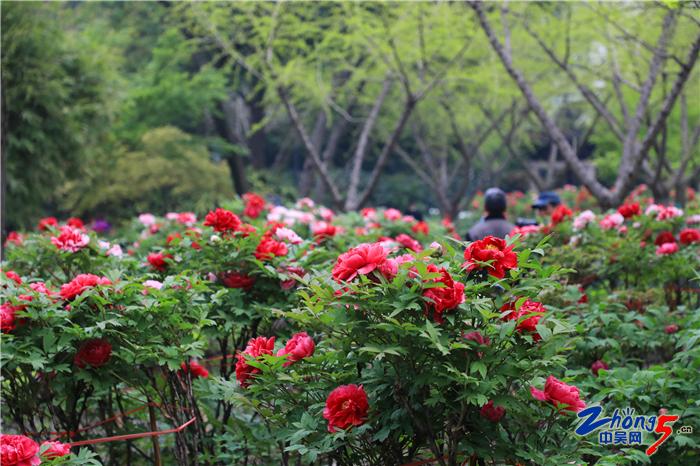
pixel 256 138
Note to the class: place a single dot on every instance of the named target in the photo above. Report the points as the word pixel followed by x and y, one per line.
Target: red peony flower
pixel 81 283
pixel 291 281
pixel 222 220
pixel 298 347
pixel 12 275
pixel 13 238
pixel 237 280
pixel 7 318
pixel 629 210
pixel 75 222
pixel 478 338
pixel 71 239
pixel 528 316
pixel 494 251
pixel 47 222
pixel 421 228
pixel 561 212
pixel 55 450
pixel 667 249
pixel 256 347
pixel 269 248
pixel 408 242
pixel 584 297
pixel 18 450
pixel 93 353
pixel 559 393
pixel 670 329
pixel 491 412
pixel 689 236
pixel 157 260
pixel 360 260
pixel 597 366
pixel 440 299
pixel 664 237
pixel 346 406
pixel 369 213
pixel 194 368
pixel 323 230
pixel 254 205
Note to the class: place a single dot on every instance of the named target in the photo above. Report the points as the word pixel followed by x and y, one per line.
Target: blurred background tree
pixel 382 103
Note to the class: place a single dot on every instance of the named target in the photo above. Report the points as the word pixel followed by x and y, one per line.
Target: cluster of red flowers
pixel 18 450
pixel 629 210
pixel 94 353
pixel 560 213
pixel 222 220
pixel 300 346
pixel 666 241
pixel 254 205
pixel 361 260
pixel 346 406
pixel 447 295
pixel 269 248
pixel 80 284
pixel 256 347
pixel 491 254
pixel 409 243
pixel 237 280
pixel 527 316
pixel 323 230
pixel 195 369
pixel 158 260
pixel 559 394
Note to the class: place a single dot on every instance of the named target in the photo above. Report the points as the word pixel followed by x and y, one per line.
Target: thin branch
pixel 633 37
pixel 310 148
pixel 361 149
pixel 668 104
pixel 567 151
pixel 585 91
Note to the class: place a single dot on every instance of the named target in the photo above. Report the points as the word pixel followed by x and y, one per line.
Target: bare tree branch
pixel 585 91
pixel 310 148
pixel 662 114
pixel 568 152
pixel 361 149
pixel 393 138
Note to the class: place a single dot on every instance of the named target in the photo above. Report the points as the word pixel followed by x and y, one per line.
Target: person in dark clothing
pixel 546 202
pixel 494 223
pixel 414 212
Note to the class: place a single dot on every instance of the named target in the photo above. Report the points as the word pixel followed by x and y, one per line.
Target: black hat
pixel 495 201
pixel 545 199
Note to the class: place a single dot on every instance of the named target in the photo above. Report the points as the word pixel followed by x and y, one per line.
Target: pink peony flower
pixel 288 235
pixel 147 220
pixel 612 221
pixel 300 346
pixel 70 239
pixel 392 214
pixel 55 450
pixel 667 249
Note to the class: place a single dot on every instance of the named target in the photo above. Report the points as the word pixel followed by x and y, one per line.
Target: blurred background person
pixel 494 223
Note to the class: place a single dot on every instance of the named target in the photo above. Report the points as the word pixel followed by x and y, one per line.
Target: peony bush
pixel 292 334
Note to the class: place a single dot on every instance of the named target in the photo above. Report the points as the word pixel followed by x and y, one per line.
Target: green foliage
pixel 53 108
pixel 169 170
